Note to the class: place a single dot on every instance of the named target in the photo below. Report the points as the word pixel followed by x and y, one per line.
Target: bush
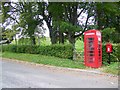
pixel 114 56
pixel 10 48
pixel 62 51
pixel 117 52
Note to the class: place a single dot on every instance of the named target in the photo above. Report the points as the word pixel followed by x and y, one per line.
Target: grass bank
pixel 42 59
pixel 113 68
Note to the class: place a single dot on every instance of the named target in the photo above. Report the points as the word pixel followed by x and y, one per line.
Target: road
pixel 22 75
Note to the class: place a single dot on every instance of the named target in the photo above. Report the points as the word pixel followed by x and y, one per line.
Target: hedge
pixel 62 51
pixel 114 56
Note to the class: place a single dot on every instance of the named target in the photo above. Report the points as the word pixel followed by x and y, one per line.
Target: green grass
pixel 113 68
pixel 47 60
pixel 55 61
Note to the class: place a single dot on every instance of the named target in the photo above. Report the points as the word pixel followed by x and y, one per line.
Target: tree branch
pixel 85 24
pixel 80 12
pixel 14 19
pixel 67 12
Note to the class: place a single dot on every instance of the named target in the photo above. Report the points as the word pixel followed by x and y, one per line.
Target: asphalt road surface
pixel 22 75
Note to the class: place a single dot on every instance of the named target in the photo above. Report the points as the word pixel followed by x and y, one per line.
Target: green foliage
pixel 28 17
pixel 65 14
pixel 115 57
pixel 28 22
pixel 115 37
pixel 5 9
pixel 68 27
pixel 111 8
pixel 110 34
pixel 117 54
pixel 10 48
pixel 24 41
pixel 62 51
pixel 56 9
pixel 8 33
pixel 108 15
pixel 106 34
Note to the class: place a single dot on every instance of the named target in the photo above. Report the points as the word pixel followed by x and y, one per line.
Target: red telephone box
pixel 109 48
pixel 92 48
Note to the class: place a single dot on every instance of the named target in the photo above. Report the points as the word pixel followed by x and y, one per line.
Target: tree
pixel 29 19
pixel 65 19
pixel 25 14
pixel 107 16
pixel 106 34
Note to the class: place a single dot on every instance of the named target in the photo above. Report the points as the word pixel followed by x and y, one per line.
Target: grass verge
pixel 113 68
pixel 47 60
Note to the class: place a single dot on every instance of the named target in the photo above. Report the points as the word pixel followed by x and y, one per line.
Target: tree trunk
pixel 33 40
pixel 15 40
pixel 53 37
pixel 38 40
pixel 73 20
pixel 72 41
pixel 61 38
pixel 48 20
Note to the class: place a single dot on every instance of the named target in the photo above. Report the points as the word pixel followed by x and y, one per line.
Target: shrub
pixel 117 52
pixel 10 48
pixel 114 56
pixel 62 51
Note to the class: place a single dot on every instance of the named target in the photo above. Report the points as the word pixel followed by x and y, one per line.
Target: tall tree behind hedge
pixel 25 14
pixel 108 14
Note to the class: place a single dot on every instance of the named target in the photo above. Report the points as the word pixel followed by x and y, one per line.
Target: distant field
pixel 26 41
pixel 79 46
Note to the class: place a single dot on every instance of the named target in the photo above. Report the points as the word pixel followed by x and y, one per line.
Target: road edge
pixel 62 68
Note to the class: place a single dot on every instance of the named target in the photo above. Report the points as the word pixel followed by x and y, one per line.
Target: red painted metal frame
pixel 92 48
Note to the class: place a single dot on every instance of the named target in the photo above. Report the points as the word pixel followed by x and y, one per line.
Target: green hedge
pixel 62 51
pixel 114 56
